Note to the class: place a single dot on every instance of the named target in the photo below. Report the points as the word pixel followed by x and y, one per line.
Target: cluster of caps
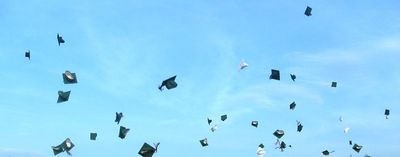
pixel 204 142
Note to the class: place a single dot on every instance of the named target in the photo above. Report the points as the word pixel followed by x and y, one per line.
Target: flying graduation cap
pixel 326 152
pixel 67 145
pixel 214 128
pixel 224 117
pixel 203 142
pixel 118 117
pixel 279 133
pixel 346 129
pixel 63 96
pixel 299 126
pixel 282 146
pixel 308 11
pixel 169 83
pixel 292 105
pixel 69 77
pixel 254 123
pixel 209 121
pixel 146 150
pixel 275 75
pixel 28 54
pixel 60 39
pixel 123 131
pixel 260 151
pixel 334 84
pixel 293 77
pixel 357 148
pixel 242 65
pixel 93 136
pixel 387 112
pixel 350 142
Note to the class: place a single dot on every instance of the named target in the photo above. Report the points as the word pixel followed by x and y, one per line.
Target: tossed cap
pixel 346 129
pixel 224 117
pixel 261 145
pixel 299 127
pixel 275 75
pixel 93 136
pixel 293 77
pixel 28 54
pixel 146 150
pixel 334 84
pixel 292 105
pixel 254 123
pixel 203 142
pixel 60 39
pixel 63 96
pixel 260 152
pixel 357 148
pixel 214 128
pixel 308 11
pixel 118 117
pixel 123 131
pixel 279 133
pixel 69 77
pixel 169 83
pixel 209 121
pixel 67 145
pixel 242 65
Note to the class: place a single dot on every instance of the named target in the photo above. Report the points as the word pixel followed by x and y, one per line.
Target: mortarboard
pixel 254 123
pixel 93 136
pixel 203 142
pixel 69 77
pixel 341 118
pixel 308 11
pixel 209 121
pixel 118 117
pixel 260 152
pixel 299 127
pixel 275 75
pixel 123 131
pixel 283 145
pixel 63 96
pixel 169 83
pixel 28 54
pixel 292 105
pixel 357 148
pixel 67 145
pixel 146 150
pixel 293 77
pixel 60 39
pixel 387 112
pixel 325 152
pixel 224 117
pixel 261 145
pixel 334 84
pixel 346 129
pixel 350 142
pixel 279 133
pixel 242 65
pixel 214 128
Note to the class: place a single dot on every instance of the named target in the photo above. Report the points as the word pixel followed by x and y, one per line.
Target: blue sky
pixel 122 50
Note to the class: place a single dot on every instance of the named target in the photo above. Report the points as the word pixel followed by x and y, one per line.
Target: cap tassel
pixel 156 145
pixel 160 88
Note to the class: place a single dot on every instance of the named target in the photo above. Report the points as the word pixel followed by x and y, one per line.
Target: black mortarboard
pixel 283 145
pixel 357 148
pixel 28 54
pixel 261 145
pixel 118 117
pixel 60 39
pixel 293 77
pixel 146 150
pixel 93 136
pixel 203 142
pixel 350 142
pixel 67 145
pixel 299 128
pixel 279 133
pixel 325 152
pixel 387 112
pixel 292 105
pixel 308 11
pixel 169 83
pixel 69 77
pixel 209 121
pixel 254 123
pixel 224 117
pixel 63 96
pixel 123 131
pixel 334 84
pixel 275 75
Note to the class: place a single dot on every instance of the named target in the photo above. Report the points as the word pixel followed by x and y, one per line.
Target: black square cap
pixel 118 117
pixel 63 96
pixel 279 133
pixel 325 152
pixel 209 121
pixel 283 145
pixel 69 77
pixel 299 127
pixel 93 136
pixel 387 112
pixel 334 84
pixel 350 142
pixel 293 77
pixel 292 105
pixel 261 145
pixel 224 117
pixel 203 142
pixel 357 148
pixel 28 54
pixel 60 39
pixel 275 75
pixel 254 123
pixel 146 150
pixel 169 83
pixel 123 131
pixel 308 11
pixel 67 145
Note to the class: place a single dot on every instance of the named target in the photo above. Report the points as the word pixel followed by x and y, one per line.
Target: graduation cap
pixel 346 129
pixel 63 96
pixel 275 75
pixel 224 117
pixel 209 121
pixel 69 77
pixel 282 145
pixel 260 151
pixel 60 39
pixel 334 84
pixel 146 150
pixel 123 131
pixel 214 128
pixel 387 112
pixel 93 136
pixel 293 77
pixel 169 83
pixel 254 123
pixel 279 133
pixel 299 126
pixel 341 118
pixel 67 145
pixel 242 65
pixel 261 145
pixel 118 117
pixel 203 142
pixel 28 54
pixel 350 142
pixel 357 148
pixel 326 152
pixel 292 105
pixel 308 11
